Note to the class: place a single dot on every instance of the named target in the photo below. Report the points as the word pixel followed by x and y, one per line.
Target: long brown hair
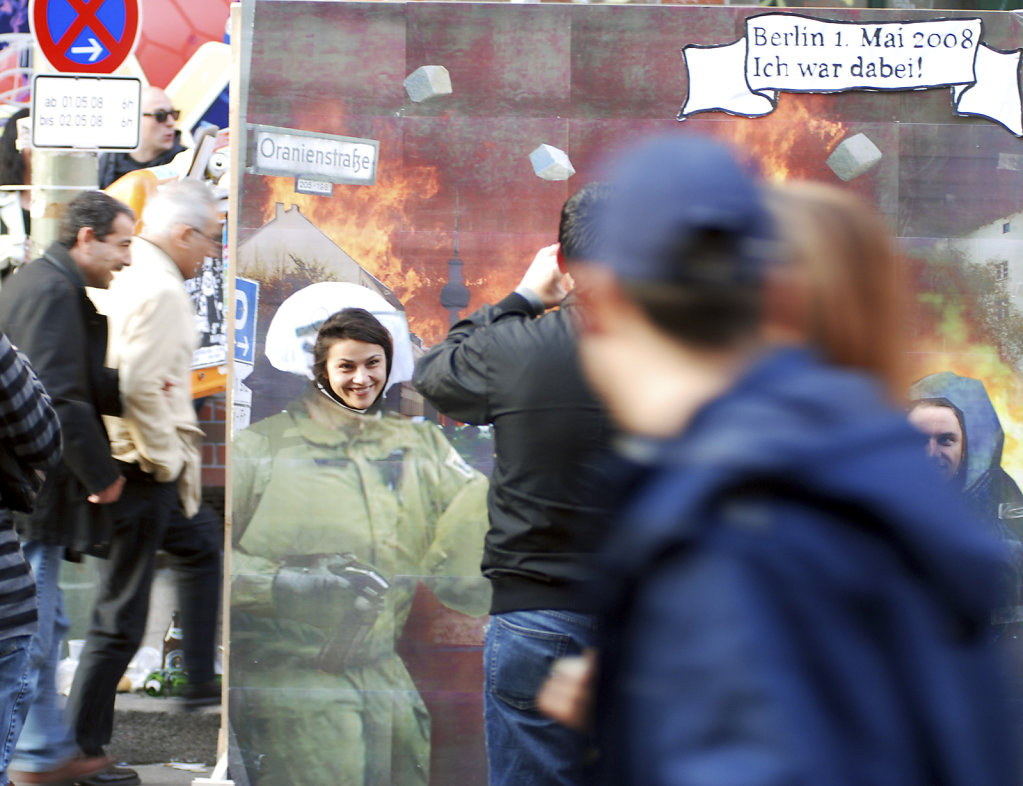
pixel 843 256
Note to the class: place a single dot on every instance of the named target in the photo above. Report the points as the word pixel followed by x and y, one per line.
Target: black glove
pixel 328 591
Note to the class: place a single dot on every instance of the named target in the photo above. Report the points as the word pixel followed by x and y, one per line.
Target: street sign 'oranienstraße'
pixel 289 152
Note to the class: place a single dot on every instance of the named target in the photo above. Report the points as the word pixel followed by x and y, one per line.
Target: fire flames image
pixel 377 226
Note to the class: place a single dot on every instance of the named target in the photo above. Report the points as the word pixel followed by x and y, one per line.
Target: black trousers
pixel 147 518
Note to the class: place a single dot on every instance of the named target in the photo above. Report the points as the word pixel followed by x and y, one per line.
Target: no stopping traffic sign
pixel 81 37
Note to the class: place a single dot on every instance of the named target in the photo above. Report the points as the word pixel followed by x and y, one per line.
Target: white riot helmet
pixel 292 332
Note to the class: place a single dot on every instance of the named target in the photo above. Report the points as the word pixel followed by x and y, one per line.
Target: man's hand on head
pixel 545 279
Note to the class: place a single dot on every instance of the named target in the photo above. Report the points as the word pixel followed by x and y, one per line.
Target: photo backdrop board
pixel 423 151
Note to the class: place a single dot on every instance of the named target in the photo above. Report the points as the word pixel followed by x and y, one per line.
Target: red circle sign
pixel 82 37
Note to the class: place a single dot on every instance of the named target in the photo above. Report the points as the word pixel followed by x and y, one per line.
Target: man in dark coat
pixel 46 313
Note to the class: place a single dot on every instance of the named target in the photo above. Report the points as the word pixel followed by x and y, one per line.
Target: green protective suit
pixel 318 479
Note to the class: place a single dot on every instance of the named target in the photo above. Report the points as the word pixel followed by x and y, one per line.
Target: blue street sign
pixel 246 298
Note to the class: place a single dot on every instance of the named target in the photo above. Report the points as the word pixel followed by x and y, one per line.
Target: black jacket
pixel 503 365
pixel 46 313
pixel 113 166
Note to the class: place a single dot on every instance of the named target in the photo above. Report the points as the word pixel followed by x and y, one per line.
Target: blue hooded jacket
pixel 793 598
pixel 980 475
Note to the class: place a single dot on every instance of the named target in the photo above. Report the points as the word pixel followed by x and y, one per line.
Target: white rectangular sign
pixel 789 52
pixel 289 152
pixel 89 112
pixel 304 185
pixel 800 54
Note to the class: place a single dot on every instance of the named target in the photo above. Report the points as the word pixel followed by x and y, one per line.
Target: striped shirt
pixel 30 432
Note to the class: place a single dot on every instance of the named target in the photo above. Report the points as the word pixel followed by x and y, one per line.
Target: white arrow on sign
pixel 243 344
pixel 93 47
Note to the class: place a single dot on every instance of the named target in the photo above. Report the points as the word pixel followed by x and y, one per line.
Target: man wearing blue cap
pixel 790 595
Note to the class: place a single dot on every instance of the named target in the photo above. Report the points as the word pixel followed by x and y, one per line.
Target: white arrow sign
pixel 93 47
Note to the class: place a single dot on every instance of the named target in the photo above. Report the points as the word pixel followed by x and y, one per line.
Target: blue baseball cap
pixel 666 191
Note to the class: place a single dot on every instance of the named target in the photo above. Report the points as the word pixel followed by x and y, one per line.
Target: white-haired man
pixel 157 443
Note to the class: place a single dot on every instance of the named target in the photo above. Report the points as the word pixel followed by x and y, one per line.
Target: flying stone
pixel 854 156
pixel 550 163
pixel 428 82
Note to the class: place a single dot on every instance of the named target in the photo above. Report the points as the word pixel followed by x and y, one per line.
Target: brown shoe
pixel 67 773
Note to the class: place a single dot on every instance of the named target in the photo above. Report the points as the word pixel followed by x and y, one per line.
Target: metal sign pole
pixel 85 46
pixel 58 176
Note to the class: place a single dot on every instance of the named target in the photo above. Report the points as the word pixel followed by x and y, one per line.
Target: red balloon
pixel 171 32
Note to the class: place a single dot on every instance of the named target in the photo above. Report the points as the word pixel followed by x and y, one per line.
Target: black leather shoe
pixel 112 776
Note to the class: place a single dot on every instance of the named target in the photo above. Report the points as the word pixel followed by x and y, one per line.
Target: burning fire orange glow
pixel 798 124
pixel 366 223
pixel 373 226
pixel 954 345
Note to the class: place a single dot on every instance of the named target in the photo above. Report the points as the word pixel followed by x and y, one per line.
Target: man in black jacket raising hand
pixel 514 365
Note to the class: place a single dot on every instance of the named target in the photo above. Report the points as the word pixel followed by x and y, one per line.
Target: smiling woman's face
pixel 356 371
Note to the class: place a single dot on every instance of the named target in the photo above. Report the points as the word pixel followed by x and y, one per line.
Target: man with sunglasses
pixel 159 140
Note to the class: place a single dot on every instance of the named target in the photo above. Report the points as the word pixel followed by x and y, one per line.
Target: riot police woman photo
pixel 339 510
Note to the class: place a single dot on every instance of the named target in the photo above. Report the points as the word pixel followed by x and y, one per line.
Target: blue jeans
pixel 525 748
pixel 46 740
pixel 14 690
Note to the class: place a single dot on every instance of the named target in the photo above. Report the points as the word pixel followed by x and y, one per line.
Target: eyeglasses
pixel 161 115
pixel 217 241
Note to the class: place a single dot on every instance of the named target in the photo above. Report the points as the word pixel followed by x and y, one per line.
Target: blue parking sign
pixel 246 298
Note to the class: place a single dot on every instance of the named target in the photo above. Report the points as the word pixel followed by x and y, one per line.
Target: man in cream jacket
pixel 157 443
